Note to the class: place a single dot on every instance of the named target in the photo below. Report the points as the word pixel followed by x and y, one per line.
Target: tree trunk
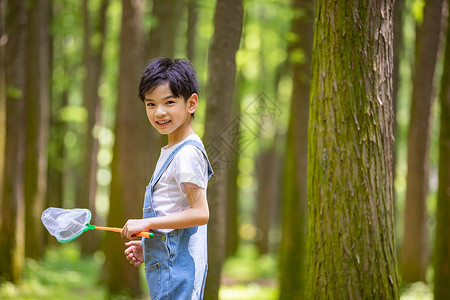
pixel 415 252
pixel 192 30
pixel 267 171
pixel 350 240
pixel 398 47
pixel 163 34
pixel 59 100
pixel 232 206
pixel 293 250
pixel 12 239
pixel 2 100
pixel 37 124
pixel 135 152
pixel 93 65
pixel 442 242
pixel 56 153
pixel 222 68
pixel 232 210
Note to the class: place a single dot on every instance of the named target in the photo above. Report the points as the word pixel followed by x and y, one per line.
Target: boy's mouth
pixel 162 122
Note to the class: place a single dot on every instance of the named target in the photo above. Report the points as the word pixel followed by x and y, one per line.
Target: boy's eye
pixel 170 102
pixel 150 104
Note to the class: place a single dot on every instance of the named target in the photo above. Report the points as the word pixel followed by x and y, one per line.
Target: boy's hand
pixel 134 253
pixel 133 226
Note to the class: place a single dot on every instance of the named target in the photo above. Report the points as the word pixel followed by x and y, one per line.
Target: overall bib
pixel 176 262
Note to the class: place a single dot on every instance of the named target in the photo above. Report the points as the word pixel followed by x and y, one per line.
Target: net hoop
pixel 51 216
pixel 78 234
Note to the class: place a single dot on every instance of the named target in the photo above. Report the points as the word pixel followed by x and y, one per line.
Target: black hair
pixel 179 73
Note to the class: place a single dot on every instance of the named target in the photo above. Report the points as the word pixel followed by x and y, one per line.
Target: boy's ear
pixel 192 103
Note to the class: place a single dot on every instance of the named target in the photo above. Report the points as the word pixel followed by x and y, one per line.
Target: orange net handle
pixel 115 229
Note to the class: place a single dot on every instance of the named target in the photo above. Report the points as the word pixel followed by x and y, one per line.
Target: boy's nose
pixel 160 111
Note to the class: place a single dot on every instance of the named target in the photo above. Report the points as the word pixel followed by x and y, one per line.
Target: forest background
pixel 73 133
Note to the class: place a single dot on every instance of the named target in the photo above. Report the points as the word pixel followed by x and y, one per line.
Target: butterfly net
pixel 66 224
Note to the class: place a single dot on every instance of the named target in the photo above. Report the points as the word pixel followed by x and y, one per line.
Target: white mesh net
pixel 65 224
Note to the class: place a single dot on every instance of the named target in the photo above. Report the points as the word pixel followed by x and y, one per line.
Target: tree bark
pixel 219 93
pixel 37 124
pixel 134 154
pixel 442 242
pixel 192 30
pixel 415 253
pixel 164 32
pixel 267 172
pixel 398 47
pixel 57 130
pixel 350 240
pixel 232 206
pixel 56 152
pixel 292 249
pixel 93 66
pixel 12 239
pixel 2 99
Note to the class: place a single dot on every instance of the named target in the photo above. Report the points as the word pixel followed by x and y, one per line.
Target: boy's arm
pixel 197 214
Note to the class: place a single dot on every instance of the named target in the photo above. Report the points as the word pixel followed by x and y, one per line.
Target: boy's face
pixel 167 113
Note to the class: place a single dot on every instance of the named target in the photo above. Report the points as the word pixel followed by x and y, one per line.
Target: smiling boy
pixel 175 205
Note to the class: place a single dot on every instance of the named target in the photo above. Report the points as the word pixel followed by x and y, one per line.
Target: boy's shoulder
pixel 194 141
pixel 189 151
pixel 193 150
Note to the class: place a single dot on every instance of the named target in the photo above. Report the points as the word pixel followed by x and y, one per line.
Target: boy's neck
pixel 176 137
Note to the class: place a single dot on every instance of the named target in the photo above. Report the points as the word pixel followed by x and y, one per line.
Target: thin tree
pixel 37 124
pixel 414 256
pixel 232 203
pixel 293 249
pixel 442 242
pixel 2 98
pixel 398 47
pixel 134 153
pixel 12 239
pixel 268 174
pixel 163 34
pixel 56 148
pixel 351 250
pixel 165 29
pixel 58 128
pixel 192 29
pixel 93 65
pixel 268 161
pixel 228 21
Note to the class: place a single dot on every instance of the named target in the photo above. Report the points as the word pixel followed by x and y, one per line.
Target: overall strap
pixel 172 156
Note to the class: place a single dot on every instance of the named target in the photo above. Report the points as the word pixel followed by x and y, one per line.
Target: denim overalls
pixel 176 262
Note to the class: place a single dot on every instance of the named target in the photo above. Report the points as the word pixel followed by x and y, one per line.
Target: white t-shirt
pixel 188 165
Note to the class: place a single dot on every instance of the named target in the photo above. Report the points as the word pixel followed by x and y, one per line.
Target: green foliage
pixel 248 266
pixel 77 114
pixel 63 274
pixel 251 291
pixel 250 276
pixel 13 92
pixel 417 291
pixel 417 10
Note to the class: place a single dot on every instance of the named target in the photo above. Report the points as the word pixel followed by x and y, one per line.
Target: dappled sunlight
pixel 417 291
pixel 251 291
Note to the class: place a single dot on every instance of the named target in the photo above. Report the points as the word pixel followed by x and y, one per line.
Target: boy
pixel 175 205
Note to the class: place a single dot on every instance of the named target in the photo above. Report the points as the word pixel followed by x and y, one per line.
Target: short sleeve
pixel 190 165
